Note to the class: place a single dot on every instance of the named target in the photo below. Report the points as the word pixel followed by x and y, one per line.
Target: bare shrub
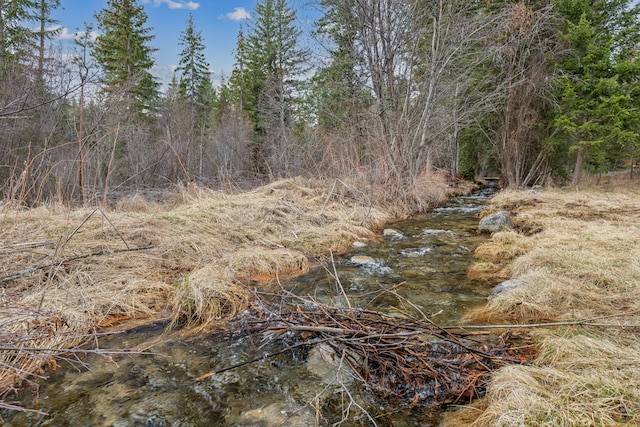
pixel 231 150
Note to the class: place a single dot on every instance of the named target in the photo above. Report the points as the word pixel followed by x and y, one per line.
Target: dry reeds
pixel 583 262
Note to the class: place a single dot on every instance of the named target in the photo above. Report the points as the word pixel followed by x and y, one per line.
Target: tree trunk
pixel 577 170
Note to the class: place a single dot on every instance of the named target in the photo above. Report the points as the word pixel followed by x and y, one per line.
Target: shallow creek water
pixel 425 263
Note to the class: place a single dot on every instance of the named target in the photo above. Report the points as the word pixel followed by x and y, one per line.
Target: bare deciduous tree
pixel 521 51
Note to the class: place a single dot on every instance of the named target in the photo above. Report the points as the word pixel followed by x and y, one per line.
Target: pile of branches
pixel 410 359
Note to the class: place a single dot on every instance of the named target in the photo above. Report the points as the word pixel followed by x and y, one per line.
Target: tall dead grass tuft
pixel 573 384
pixel 504 246
pixel 432 189
pixel 584 263
pixel 207 296
pixel 380 187
pixel 260 264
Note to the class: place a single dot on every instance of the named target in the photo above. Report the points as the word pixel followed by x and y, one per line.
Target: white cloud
pixel 164 73
pixel 173 4
pixel 64 34
pixel 238 14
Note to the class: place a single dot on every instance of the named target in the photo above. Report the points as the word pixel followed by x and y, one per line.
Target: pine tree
pixel 269 63
pixel 16 38
pixel 195 81
pixel 597 116
pixel 123 52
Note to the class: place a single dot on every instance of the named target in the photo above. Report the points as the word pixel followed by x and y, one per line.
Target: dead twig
pixel 583 322
pixel 412 359
pixel 26 245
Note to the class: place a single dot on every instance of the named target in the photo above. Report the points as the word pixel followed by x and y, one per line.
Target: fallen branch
pixel 584 322
pixel 410 359
pixel 26 245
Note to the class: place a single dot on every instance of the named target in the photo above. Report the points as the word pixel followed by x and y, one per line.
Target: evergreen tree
pixel 339 90
pixel 269 63
pixel 239 84
pixel 44 33
pixel 273 57
pixel 16 37
pixel 123 52
pixel 598 116
pixel 195 81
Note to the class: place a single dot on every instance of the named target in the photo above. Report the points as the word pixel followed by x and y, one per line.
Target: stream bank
pixel 424 262
pixel 577 253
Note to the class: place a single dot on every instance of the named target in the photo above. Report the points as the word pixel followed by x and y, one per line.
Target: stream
pixel 424 262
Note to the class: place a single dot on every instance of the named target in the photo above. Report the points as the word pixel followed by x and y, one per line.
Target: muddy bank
pixel 577 255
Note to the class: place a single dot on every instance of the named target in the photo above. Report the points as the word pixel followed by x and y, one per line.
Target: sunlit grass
pixel 582 263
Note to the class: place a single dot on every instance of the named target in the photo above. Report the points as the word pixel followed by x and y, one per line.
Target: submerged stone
pixel 391 232
pixel 276 414
pixel 362 260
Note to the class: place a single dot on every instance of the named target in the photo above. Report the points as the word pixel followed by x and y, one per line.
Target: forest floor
pixel 67 274
pixel 578 253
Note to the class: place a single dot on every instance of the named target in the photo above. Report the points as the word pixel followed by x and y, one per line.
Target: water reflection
pixel 421 267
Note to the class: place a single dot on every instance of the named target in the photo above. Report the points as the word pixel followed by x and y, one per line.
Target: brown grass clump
pixel 583 265
pixel 187 259
pixel 573 384
pixel 206 296
pixel 504 246
pixel 423 192
pixel 263 264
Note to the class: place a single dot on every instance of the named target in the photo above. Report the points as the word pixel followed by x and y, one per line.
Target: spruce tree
pixel 16 36
pixel 44 33
pixel 269 63
pixel 597 117
pixel 123 52
pixel 338 88
pixel 195 81
pixel 239 85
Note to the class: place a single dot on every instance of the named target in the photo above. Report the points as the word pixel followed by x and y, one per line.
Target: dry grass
pixel 423 192
pixel 578 381
pixel 205 246
pixel 582 263
pixel 207 296
pixel 488 272
pixel 504 246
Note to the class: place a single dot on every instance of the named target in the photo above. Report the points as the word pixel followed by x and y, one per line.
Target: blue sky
pixel 217 20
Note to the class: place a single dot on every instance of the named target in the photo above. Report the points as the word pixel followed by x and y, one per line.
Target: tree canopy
pixel 597 114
